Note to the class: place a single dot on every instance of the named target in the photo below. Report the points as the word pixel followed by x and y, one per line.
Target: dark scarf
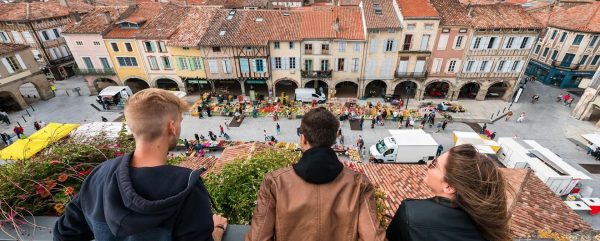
pixel 318 165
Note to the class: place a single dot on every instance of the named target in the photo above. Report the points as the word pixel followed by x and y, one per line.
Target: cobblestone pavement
pixel 547 122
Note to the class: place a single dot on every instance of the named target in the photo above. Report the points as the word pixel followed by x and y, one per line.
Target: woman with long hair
pixel 470 202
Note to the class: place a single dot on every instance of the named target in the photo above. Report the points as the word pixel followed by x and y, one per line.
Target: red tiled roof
pixel 387 18
pixel 6 48
pixel 193 27
pixel 164 23
pixel 95 21
pixel 241 151
pixel 417 9
pixel 452 13
pixel 252 28
pixel 41 10
pixel 235 4
pixel 318 23
pixel 195 163
pixel 536 206
pixel 143 10
pixel 503 15
pixel 350 2
pixel 582 18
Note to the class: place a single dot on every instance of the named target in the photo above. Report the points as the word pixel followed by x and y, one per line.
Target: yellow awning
pixel 26 148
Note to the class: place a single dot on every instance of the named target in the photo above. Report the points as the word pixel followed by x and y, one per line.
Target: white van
pixel 404 146
pixel 308 94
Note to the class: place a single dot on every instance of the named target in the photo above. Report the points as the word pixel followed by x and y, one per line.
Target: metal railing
pixel 410 74
pixel 316 74
pixel 62 60
pixel 94 71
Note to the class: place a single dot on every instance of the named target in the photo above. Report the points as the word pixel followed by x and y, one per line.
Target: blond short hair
pixel 148 112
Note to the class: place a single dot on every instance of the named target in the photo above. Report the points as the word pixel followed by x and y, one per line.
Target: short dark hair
pixel 319 127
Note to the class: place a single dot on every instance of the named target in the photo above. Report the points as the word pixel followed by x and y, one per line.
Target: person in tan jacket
pixel 317 198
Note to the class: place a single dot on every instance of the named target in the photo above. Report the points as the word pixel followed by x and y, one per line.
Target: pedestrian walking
pixel 521 117
pixel 221 131
pixel 265 135
pixel 360 143
pixel 439 150
pixel 278 128
pixel 423 121
pixel 341 137
pixel 400 120
pixel 431 119
pixel 373 123
pixel 18 131
pixel 444 125
pixel 566 98
pixel 407 122
pixel 36 126
pixel 482 131
pixel 362 120
pixel 197 138
pixel 103 119
pixel 199 109
pixel 493 135
pixel 508 115
pixel 212 136
pixel 439 126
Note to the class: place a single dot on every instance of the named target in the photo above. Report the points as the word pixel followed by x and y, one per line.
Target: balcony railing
pixel 559 64
pixel 411 74
pixel 316 74
pixel 53 42
pixel 94 72
pixel 61 60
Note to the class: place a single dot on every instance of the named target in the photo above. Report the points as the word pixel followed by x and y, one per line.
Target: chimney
pixel 64 3
pixel 107 17
pixel 336 24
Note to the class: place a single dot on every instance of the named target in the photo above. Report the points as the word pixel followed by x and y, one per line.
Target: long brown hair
pixel 480 191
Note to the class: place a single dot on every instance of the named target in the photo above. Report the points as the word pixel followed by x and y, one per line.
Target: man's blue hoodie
pixel 121 203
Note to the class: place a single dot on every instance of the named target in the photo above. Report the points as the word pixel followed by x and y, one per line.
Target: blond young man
pixel 137 196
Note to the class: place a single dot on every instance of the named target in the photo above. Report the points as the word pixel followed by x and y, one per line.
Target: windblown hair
pixel 148 112
pixel 480 191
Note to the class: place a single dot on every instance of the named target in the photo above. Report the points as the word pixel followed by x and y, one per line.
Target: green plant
pixel 235 188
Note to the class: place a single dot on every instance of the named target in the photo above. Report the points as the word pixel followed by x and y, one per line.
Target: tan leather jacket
pixel 289 208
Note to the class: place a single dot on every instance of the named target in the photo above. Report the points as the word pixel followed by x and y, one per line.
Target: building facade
pixel 18 66
pixel 569 51
pixel 420 22
pixel 383 34
pixel 497 51
pixel 40 25
pixel 84 39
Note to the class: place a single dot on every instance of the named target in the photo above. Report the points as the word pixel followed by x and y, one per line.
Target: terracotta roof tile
pixel 452 12
pixel 95 21
pixel 241 151
pixel 31 11
pixel 583 18
pixel 503 15
pixel 536 206
pixel 417 9
pixel 235 4
pixel 193 27
pixel 195 163
pixel 144 10
pixel 350 2
pixel 9 48
pixel 386 19
pixel 163 24
pixel 318 23
pixel 252 28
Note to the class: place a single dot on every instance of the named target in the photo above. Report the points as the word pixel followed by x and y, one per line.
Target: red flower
pixel 55 162
pixel 43 192
pixel 62 177
pixel 69 191
pixel 50 184
pixel 84 173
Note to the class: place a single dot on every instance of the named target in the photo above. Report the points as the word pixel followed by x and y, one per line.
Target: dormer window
pixel 222 33
pixel 129 25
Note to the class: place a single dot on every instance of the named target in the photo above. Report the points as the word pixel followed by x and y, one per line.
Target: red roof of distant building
pixel 319 23
pixel 417 9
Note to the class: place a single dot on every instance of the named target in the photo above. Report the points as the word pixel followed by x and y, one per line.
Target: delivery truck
pixel 404 146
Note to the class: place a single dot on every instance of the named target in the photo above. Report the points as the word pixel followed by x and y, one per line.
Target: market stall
pixel 480 142
pixel 26 148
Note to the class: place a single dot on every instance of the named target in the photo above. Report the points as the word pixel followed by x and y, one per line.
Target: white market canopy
pixel 593 138
pixel 113 90
pixel 90 130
